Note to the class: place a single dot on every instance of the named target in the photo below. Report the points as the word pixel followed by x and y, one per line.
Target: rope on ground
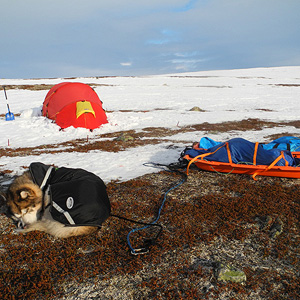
pixel 150 242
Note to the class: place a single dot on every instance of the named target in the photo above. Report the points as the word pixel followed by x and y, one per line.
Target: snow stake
pixel 8 116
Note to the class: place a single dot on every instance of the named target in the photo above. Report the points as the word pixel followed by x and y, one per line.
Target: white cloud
pixel 186 54
pixel 126 64
pixel 186 64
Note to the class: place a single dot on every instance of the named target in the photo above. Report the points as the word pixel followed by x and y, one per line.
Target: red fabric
pixel 60 105
pixel 67 117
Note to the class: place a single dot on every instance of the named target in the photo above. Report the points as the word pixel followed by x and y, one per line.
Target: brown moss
pixel 211 216
pixel 40 87
pixel 149 136
pixel 36 265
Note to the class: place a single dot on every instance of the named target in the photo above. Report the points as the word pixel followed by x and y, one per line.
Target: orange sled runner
pixel 262 170
pixel 279 167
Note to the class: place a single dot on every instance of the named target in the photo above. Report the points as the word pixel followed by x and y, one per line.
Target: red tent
pixel 74 104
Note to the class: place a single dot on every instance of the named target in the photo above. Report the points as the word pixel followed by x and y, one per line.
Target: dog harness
pixel 77 197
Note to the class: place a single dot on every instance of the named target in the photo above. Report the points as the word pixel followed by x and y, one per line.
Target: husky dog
pixel 29 207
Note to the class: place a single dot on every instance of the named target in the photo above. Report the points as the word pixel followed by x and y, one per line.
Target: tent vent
pixel 83 107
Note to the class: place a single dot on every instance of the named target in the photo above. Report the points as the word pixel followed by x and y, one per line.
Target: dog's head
pixel 24 201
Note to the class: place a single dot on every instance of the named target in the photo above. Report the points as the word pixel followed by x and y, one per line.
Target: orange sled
pixel 254 170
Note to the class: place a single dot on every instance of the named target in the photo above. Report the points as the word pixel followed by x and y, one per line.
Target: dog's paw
pixel 19 230
pixel 23 229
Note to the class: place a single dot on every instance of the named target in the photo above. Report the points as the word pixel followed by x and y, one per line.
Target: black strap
pixel 288 146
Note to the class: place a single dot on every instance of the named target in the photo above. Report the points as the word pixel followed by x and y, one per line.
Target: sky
pixel 87 38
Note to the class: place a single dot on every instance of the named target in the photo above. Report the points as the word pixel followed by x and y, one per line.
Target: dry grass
pixel 149 135
pixel 210 219
pixel 40 87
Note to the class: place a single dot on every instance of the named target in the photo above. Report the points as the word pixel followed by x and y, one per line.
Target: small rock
pixel 276 228
pixel 124 137
pixel 196 108
pixel 88 249
pixel 229 273
pixel 264 222
pixel 205 263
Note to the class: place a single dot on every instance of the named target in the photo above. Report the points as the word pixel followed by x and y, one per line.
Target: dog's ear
pixel 29 193
pixel 24 194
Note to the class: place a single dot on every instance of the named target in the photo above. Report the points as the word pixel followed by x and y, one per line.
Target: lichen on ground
pixel 211 219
